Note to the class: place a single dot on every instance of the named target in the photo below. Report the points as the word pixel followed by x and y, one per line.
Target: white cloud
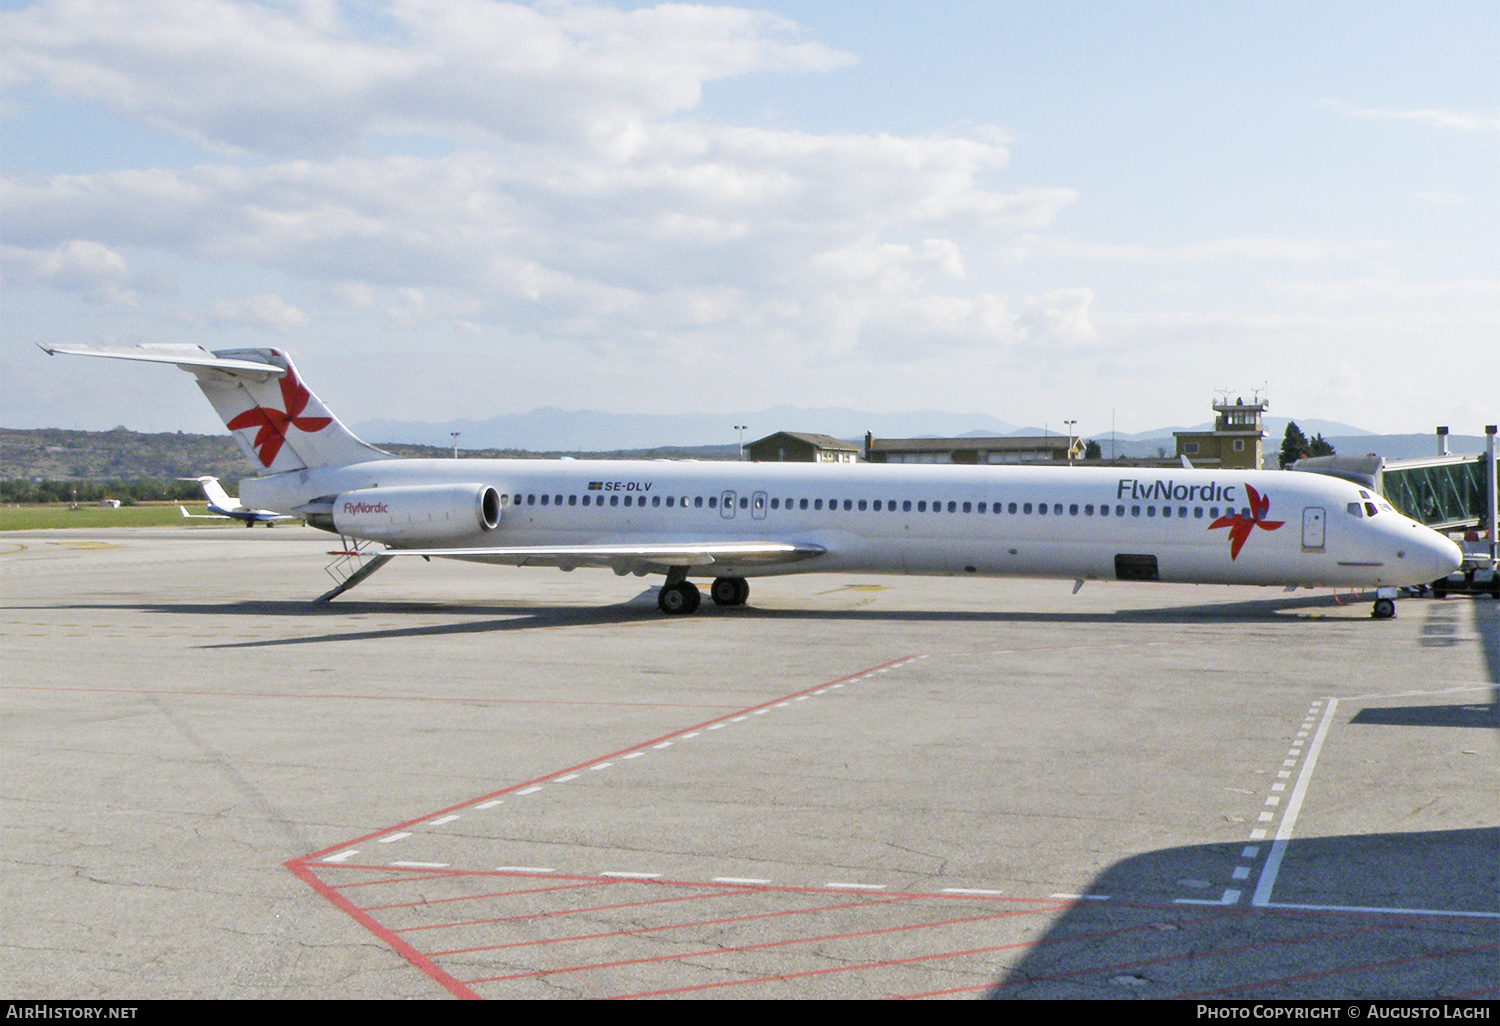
pixel 1059 317
pixel 300 79
pixel 76 265
pixel 267 310
pixel 1262 249
pixel 1435 117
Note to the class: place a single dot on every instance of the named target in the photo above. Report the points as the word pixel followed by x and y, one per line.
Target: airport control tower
pixel 1235 443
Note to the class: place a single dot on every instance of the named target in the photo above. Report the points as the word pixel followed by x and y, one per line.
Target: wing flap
pixel 668 554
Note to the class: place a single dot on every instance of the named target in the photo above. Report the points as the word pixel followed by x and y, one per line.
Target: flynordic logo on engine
pixel 356 508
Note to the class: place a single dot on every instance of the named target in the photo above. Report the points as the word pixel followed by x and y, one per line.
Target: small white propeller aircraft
pixel 223 506
pixel 731 521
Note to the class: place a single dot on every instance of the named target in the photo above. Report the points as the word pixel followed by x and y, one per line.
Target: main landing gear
pixel 730 591
pixel 680 597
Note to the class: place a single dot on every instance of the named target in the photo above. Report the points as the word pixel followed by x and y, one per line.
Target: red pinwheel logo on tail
pixel 1240 525
pixel 273 423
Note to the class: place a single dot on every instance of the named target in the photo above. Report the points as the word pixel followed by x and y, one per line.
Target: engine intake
pixel 417 514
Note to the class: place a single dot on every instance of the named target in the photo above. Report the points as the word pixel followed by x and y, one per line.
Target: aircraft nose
pixel 1440 555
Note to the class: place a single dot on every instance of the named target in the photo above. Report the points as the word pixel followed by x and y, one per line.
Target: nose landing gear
pixel 1385 604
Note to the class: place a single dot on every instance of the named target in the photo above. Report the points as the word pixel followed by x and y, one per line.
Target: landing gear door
pixel 1314 524
pixel 726 505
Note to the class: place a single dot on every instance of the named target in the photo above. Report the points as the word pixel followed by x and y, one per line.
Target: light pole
pixel 741 429
pixel 455 435
pixel 1070 424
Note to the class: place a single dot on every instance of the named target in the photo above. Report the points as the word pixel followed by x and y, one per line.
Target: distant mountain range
pixel 552 430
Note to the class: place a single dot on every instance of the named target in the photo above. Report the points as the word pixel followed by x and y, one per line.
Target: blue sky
pixel 1040 211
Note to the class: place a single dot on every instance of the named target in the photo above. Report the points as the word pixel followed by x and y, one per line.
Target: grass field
pixel 56 515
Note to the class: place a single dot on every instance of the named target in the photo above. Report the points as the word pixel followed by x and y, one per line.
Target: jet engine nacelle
pixel 417 513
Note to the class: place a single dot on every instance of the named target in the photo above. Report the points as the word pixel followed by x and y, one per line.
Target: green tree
pixel 1293 446
pixel 1092 450
pixel 1319 446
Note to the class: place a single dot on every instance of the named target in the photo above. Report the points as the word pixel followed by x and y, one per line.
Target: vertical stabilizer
pixel 279 424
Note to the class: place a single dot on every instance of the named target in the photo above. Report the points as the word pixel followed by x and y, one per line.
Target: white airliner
pixel 731 521
pixel 223 506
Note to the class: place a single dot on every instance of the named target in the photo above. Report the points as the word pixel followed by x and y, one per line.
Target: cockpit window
pixel 1354 509
pixel 1370 509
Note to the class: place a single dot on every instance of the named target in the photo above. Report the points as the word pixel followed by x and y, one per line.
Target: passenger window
pixel 670 500
pixel 1197 512
pixel 922 506
pixel 802 504
pixel 1135 511
pixel 1024 509
pixel 744 503
pixel 862 504
pixel 906 506
pixel 1073 510
pixel 1012 508
pixel 848 503
pixel 713 502
pixel 1166 511
pixel 656 500
pixel 697 502
pixel 981 508
pixel 614 500
pixel 1150 511
pixel 817 504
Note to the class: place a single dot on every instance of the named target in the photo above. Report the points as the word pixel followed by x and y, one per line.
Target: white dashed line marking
pixel 490 804
pixel 394 837
pixel 602 765
pixel 739 880
pixel 633 755
pixel 341 856
pixel 530 790
pixel 421 865
pixel 969 890
pixel 523 869
pixel 625 875
pixel 445 819
pixel 856 886
pixel 570 776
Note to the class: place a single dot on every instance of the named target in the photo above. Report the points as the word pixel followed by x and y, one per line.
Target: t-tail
pixel 277 422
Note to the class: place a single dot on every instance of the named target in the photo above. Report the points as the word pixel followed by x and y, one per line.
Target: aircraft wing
pixel 626 557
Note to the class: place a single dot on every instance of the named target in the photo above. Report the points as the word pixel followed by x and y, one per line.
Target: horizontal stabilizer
pixel 185 356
